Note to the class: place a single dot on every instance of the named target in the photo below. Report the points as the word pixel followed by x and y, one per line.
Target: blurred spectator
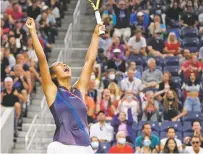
pixel 90 108
pixel 131 83
pixel 15 11
pixel 4 65
pixel 96 74
pixel 171 134
pixel 132 65
pixel 171 146
pixel 146 148
pixel 155 45
pixel 195 148
pixel 106 105
pixel 10 57
pixel 103 131
pixel 92 92
pixel 154 140
pixel 122 11
pixel 137 44
pixel 172 45
pixel 104 42
pixel 197 131
pixel 33 10
pixel 150 108
pixel 185 57
pixel 191 66
pixel 95 145
pixel 171 107
pixel 192 102
pixel 121 144
pixel 115 91
pixel 31 53
pixel 152 76
pixel 109 77
pixel 129 101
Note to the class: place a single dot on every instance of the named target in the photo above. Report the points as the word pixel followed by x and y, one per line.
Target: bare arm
pixel 48 86
pixel 82 83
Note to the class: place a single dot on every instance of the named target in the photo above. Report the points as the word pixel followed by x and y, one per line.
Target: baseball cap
pixel 8 79
pixel 44 7
pixel 140 13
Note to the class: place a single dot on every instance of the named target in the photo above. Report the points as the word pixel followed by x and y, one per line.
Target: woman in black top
pixel 170 105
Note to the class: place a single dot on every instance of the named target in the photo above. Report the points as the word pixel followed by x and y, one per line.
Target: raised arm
pixel 48 86
pixel 83 82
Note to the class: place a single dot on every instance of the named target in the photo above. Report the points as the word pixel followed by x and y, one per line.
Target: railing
pixel 31 134
pixel 68 43
pixel 76 20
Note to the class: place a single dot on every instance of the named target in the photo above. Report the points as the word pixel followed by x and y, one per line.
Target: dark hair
pixel 166 149
pixel 189 83
pixel 171 128
pixel 195 137
pixel 192 123
pixel 55 81
pixel 145 125
pixel 101 111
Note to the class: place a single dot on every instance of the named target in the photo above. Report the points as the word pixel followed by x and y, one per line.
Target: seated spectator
pixel 15 11
pixel 31 53
pixel 107 23
pixel 4 65
pixel 192 102
pixel 152 76
pixel 115 91
pixel 171 146
pixel 191 66
pixel 121 144
pixel 105 41
pixel 117 62
pixel 137 44
pixel 185 57
pixel 121 122
pixel 96 71
pixel 90 109
pixel 113 49
pixel 154 140
pixel 109 77
pixel 92 92
pixel 155 45
pixel 172 15
pixel 132 65
pixel 195 148
pixel 106 105
pixel 10 57
pixel 139 19
pixel 189 18
pixel 165 85
pixel 129 101
pixel 33 9
pixel 171 107
pixel 197 131
pixel 101 59
pixel 15 47
pixel 150 108
pixel 103 131
pixel 157 26
pixel 171 134
pixel 131 83
pixel 172 45
pixel 19 32
pixel 95 145
pixel 122 12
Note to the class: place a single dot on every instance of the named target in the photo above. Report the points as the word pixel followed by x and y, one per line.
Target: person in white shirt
pixel 138 44
pixel 131 83
pixel 195 148
pixel 103 131
pixel 171 133
pixel 11 58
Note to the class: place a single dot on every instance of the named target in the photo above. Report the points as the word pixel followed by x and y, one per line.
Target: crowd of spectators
pixel 19 63
pixel 146 89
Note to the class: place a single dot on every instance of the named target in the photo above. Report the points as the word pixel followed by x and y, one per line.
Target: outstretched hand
pixel 30 23
pixel 98 28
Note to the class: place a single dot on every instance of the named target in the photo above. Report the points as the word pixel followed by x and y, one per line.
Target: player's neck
pixel 65 83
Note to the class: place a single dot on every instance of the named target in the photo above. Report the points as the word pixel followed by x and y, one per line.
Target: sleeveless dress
pixel 70 116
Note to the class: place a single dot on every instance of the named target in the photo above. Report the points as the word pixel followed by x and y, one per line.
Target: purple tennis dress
pixel 70 116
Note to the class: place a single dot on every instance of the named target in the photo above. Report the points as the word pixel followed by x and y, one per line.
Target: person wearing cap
pixel 155 45
pixel 139 19
pixel 103 131
pixel 137 44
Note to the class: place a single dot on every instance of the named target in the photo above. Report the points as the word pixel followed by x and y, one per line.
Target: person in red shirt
pixel 172 45
pixel 121 145
pixel 191 66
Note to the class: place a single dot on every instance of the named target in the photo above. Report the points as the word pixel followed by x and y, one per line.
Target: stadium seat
pixel 171 61
pixel 177 81
pixel 159 61
pixel 137 59
pixel 193 116
pixel 187 126
pixel 166 124
pixel 189 32
pixel 190 42
pixel 178 135
pixel 172 69
pixel 139 68
pixel 187 134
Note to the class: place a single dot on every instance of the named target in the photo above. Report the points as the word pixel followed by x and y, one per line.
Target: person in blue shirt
pixel 154 140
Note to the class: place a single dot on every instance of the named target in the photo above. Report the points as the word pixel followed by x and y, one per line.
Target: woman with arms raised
pixel 66 102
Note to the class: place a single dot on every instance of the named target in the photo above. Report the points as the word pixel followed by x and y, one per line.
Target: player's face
pixel 62 70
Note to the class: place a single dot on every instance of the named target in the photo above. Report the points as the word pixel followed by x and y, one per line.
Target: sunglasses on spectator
pixel 197 142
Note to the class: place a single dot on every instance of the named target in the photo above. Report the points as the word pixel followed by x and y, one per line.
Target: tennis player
pixel 66 102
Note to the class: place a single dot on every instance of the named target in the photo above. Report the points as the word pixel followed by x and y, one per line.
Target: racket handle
pixel 99 21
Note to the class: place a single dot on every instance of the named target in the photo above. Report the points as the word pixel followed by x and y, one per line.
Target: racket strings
pixel 93 5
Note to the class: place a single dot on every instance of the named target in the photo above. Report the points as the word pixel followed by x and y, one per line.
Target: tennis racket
pixel 97 14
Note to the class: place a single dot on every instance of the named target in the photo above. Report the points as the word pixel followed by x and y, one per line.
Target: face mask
pixel 146 143
pixel 112 76
pixel 122 140
pixel 95 144
pixel 171 99
pixel 93 77
pixel 158 11
pixel 129 97
pixel 158 37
